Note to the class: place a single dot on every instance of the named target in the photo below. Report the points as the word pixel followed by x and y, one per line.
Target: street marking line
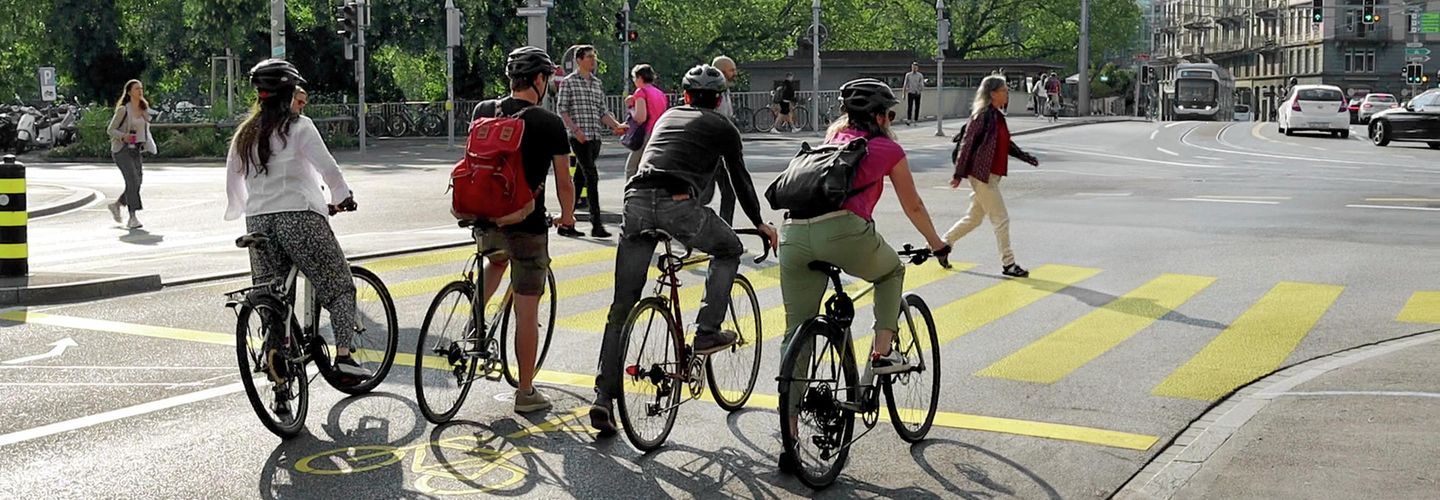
pixel 1058 354
pixel 1396 207
pixel 961 317
pixel 1406 200
pixel 1423 307
pixel 138 368
pixel 1153 134
pixel 1176 123
pixel 1216 200
pixel 1184 140
pixel 122 413
pixel 593 321
pixel 1225 197
pixel 1211 158
pixel 1256 343
pixel 1168 152
pixel 1407 394
pixel 432 284
pixel 1103 194
pixel 915 277
pixel 101 325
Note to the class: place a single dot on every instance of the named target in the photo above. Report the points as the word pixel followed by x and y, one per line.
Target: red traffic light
pixel 633 35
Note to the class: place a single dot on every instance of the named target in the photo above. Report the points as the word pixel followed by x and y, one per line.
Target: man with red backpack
pixel 523 234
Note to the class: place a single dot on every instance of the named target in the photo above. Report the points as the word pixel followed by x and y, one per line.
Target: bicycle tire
pixel 763 120
pixel 801 115
pixel 916 314
pixel 375 126
pixel 745 355
pixel 744 120
pixel 378 360
pixel 439 360
pixel 267 311
pixel 399 126
pixel 432 125
pixel 802 349
pixel 667 393
pixel 542 344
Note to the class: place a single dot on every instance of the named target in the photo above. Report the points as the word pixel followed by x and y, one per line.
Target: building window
pixel 1370 61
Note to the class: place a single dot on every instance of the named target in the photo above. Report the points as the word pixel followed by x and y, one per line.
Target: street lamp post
pixel 452 40
pixel 942 42
pixel 1082 106
pixel 815 64
pixel 277 28
pixel 625 46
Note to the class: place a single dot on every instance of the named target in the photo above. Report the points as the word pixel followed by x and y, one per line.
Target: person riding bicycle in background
pixel 847 238
pixel 524 237
pixel 680 162
pixel 271 179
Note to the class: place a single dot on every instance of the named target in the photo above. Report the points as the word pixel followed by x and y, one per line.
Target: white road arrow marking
pixel 60 347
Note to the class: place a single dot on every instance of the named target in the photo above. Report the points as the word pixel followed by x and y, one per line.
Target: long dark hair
pixel 865 123
pixel 269 115
pixel 125 96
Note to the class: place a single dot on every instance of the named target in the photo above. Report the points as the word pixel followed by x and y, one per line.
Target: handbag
pixel 634 138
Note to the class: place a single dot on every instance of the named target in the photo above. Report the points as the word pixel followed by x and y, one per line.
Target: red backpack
pixel 489 181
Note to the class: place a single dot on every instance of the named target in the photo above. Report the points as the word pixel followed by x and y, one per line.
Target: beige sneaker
pixel 535 401
pixel 115 211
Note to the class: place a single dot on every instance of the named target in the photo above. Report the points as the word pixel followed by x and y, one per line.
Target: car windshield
pixel 1386 99
pixel 1321 95
pixel 1241 108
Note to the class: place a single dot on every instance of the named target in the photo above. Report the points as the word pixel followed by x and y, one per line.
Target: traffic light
pixel 633 35
pixel 1414 74
pixel 1317 9
pixel 620 25
pixel 348 16
pixel 1368 12
pixel 1147 75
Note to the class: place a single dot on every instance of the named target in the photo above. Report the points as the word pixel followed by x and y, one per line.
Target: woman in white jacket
pixel 129 135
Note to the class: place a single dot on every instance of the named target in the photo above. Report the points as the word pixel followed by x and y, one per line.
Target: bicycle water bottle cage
pixel 841 310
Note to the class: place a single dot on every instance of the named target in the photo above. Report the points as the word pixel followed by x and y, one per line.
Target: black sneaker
pixel 602 418
pixel 349 369
pixel 712 342
pixel 788 463
pixel 599 232
pixel 569 232
pixel 1016 271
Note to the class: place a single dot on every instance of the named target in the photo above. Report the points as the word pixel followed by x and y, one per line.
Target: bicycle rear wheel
pixel 744 120
pixel 444 369
pixel 802 118
pixel 913 396
pixel 374 343
pixel 548 303
pixel 255 325
pixel 763 120
pixel 432 125
pixel 652 360
pixel 817 373
pixel 732 372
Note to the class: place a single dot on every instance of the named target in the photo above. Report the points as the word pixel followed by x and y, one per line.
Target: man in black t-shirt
pixel 523 237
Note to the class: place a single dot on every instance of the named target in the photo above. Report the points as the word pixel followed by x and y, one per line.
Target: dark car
pixel 1416 121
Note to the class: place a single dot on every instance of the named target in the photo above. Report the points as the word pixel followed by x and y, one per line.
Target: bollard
pixel 14 251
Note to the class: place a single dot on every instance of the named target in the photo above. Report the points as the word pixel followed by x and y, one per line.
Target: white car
pixel 1375 103
pixel 1315 107
pixel 1242 113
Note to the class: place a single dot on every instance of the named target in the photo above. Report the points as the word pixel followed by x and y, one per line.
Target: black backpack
pixel 818 180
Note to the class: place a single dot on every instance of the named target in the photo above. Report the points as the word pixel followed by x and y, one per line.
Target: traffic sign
pixel 47 83
pixel 1411 45
pixel 1419 59
pixel 1416 51
pixel 1430 22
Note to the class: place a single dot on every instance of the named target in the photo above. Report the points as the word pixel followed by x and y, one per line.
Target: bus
pixel 1204 91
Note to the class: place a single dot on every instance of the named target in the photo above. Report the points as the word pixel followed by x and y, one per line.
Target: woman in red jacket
pixel 982 158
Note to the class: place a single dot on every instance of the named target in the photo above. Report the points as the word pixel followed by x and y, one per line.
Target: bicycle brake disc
pixel 697 371
pixel 491 365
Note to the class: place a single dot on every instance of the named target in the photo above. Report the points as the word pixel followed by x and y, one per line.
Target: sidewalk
pixel 1359 424
pixel 50 199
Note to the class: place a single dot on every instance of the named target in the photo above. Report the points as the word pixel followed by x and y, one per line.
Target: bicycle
pixel 452 351
pixel 673 366
pixel 279 346
pixel 828 402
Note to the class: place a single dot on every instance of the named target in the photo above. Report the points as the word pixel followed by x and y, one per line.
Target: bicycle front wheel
pixel 651 366
pixel 444 365
pixel 399 126
pixel 378 331
pixel 432 125
pixel 763 120
pixel 816 375
pixel 732 372
pixel 913 395
pixel 802 118
pixel 266 350
pixel 510 354
pixel 744 120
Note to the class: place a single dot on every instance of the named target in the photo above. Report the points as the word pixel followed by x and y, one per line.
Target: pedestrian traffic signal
pixel 633 35
pixel 1317 8
pixel 1414 74
pixel 620 25
pixel 348 16
pixel 1147 75
pixel 1368 12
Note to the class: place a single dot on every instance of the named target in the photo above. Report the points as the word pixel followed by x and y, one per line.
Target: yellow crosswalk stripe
pixel 1423 307
pixel 1255 344
pixel 431 285
pixel 403 262
pixel 961 317
pixel 691 291
pixel 1055 356
pixel 915 277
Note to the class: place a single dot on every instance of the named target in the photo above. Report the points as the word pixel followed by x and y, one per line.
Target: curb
pixel 103 287
pixel 83 197
pixel 1171 469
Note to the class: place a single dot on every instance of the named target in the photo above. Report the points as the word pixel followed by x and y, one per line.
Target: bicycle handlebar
pixel 347 205
pixel 765 240
pixel 917 255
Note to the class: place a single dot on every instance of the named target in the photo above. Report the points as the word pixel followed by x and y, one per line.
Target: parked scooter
pixel 8 122
pixel 39 129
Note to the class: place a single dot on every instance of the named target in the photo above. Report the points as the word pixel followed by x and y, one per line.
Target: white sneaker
pixel 115 211
pixel 134 223
pixel 888 364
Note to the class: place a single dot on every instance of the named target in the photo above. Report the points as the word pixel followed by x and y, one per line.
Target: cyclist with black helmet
pixel 523 238
pixel 271 179
pixel 847 237
pixel 680 162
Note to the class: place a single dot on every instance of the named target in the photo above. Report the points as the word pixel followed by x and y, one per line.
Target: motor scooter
pixel 37 129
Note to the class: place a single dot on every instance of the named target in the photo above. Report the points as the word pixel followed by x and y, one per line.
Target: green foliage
pixel 91 140
pixel 418 77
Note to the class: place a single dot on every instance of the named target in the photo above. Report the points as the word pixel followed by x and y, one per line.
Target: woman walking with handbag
pixel 647 104
pixel 129 135
pixel 981 158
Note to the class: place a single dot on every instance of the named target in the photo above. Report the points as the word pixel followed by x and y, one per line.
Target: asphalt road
pixel 1171 264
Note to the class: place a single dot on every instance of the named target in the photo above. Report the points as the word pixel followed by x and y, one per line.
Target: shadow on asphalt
pixel 142 237
pixel 1144 308
pixel 982 483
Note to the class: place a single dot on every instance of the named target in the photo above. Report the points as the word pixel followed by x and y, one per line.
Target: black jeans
pixel 690 223
pixel 912 107
pixel 587 176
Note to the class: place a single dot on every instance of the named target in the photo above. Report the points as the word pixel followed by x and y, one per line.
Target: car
pixel 1315 107
pixel 1242 113
pixel 1355 108
pixel 1416 121
pixel 1375 103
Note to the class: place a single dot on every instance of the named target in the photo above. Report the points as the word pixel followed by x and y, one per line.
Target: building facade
pixel 1265 43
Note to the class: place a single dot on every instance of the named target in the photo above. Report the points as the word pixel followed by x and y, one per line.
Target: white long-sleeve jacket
pixel 292 183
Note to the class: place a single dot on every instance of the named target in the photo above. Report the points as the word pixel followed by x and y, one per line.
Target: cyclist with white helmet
pixel 276 162
pixel 679 164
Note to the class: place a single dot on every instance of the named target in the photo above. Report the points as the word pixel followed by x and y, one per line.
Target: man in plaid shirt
pixel 581 104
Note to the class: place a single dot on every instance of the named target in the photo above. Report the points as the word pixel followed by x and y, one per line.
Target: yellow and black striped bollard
pixel 14 251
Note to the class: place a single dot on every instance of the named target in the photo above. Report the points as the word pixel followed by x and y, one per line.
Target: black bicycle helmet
pixel 274 74
pixel 704 77
pixel 867 95
pixel 528 61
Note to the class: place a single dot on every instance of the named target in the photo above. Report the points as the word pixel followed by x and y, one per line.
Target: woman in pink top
pixel 847 237
pixel 648 103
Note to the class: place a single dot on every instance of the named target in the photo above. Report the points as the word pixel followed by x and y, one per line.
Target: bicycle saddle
pixel 251 240
pixel 824 267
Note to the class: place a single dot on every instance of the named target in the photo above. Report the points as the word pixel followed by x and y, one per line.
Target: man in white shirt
pixel 914 85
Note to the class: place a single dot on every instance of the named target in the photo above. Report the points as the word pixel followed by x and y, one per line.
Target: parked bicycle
pixel 270 341
pixel 456 347
pixel 821 392
pixel 662 366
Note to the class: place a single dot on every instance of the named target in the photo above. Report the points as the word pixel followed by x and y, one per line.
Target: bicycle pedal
pixel 493 376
